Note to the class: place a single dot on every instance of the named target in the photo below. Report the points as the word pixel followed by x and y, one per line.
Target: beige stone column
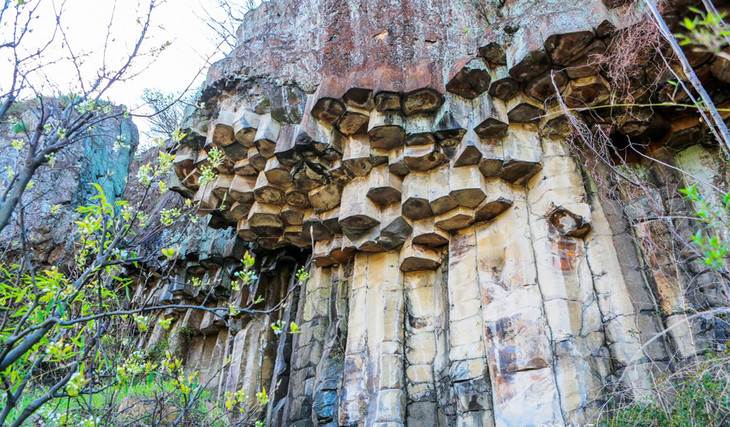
pixel 425 345
pixel 373 382
pixel 516 332
pixel 559 218
pixel 471 388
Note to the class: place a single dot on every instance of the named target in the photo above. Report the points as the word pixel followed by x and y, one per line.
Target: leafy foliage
pixel 699 397
pixel 706 31
pixel 70 321
pixel 710 239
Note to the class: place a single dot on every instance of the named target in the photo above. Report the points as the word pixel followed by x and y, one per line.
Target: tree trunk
pixel 14 195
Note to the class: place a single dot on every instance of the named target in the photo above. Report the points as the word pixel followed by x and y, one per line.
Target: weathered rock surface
pixel 102 157
pixel 466 267
pixel 467 270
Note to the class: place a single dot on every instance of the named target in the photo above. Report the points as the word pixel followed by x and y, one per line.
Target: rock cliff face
pixel 103 157
pixel 469 268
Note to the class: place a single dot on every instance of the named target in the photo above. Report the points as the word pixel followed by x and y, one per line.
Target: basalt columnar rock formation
pixel 468 267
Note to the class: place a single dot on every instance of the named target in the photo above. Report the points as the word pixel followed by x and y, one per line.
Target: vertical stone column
pixel 625 301
pixel 517 335
pixel 470 385
pixel 247 368
pixel 313 318
pixel 559 218
pixel 705 288
pixel 211 360
pixel 373 382
pixel 330 368
pixel 663 238
pixel 424 344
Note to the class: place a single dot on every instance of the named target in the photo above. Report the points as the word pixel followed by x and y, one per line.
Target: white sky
pixel 180 22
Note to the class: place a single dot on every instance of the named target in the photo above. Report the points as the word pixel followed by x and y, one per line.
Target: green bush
pixel 698 396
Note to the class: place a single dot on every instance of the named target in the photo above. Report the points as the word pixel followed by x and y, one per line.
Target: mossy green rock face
pixel 107 155
pixel 103 156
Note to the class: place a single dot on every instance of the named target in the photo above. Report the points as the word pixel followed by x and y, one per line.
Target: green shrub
pixel 698 395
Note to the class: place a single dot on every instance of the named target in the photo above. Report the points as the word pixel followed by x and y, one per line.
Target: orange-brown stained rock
pixel 328 107
pixel 563 48
pixel 544 86
pixel 384 186
pixel 524 109
pixel 502 86
pixel 423 88
pixel 567 223
pixel 565 258
pixel 245 127
pixel 586 91
pixel 386 129
pixel 469 151
pixel 469 78
pixel 493 53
